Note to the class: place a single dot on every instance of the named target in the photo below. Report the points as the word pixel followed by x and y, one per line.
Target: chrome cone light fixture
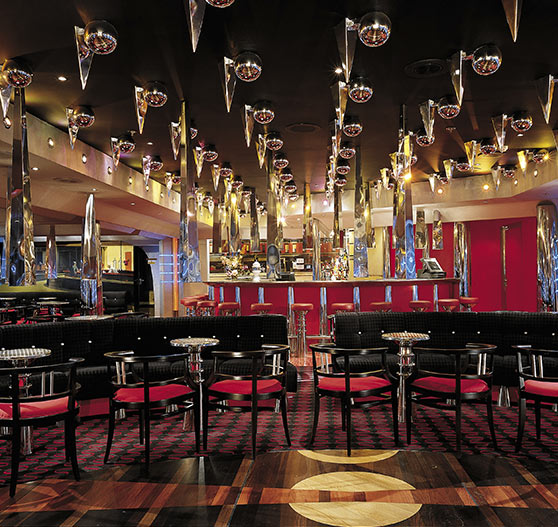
pixel 374 29
pixel 152 94
pixel 521 122
pixel 123 144
pixel 352 127
pixel 263 112
pixel 248 66
pixel 78 117
pixel 99 37
pixel 150 164
pixel 360 90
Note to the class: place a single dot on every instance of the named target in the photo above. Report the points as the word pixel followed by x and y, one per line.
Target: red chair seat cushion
pixel 207 303
pixel 245 387
pixel 229 305
pixel 337 384
pixel 302 307
pixel 156 393
pixel 264 306
pixel 441 384
pixel 343 306
pixel 545 388
pixel 38 409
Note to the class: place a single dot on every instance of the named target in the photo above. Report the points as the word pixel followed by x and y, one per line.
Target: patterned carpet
pixel 229 433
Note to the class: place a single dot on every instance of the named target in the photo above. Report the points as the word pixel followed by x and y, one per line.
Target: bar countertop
pixel 332 283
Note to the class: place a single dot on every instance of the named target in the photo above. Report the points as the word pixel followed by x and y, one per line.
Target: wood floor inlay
pixel 357 457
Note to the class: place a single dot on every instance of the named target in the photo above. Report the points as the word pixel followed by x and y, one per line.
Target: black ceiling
pixel 296 42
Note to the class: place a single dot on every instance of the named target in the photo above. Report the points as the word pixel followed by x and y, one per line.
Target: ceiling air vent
pixel 426 68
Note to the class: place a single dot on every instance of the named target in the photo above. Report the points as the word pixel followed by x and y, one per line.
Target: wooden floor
pixel 295 488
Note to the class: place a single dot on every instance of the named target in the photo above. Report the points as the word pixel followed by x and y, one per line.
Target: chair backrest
pixel 331 361
pixel 269 362
pixel 534 367
pixel 53 386
pixel 134 371
pixel 479 355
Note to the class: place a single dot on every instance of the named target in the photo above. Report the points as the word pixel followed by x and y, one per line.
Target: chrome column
pixel 370 235
pixel 234 240
pixel 336 218
pixel 217 239
pixel 386 262
pixel 254 223
pixel 421 233
pixel 547 257
pixel 435 297
pixel 307 230
pixel 462 257
pixel 261 295
pixel 271 203
pixel 290 312
pixel 316 251
pixel 20 253
pixel 211 292
pixel 51 269
pixel 360 261
pixel 404 238
pixel 323 311
pixel 437 232
pixel 91 285
pixel 356 297
pixel 188 248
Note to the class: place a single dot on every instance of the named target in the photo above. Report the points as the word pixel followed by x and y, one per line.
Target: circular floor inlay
pixel 352 514
pixel 340 456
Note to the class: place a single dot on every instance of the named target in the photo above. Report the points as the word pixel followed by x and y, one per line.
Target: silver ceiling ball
pixel 462 165
pixel 541 156
pixel 260 206
pixel 448 107
pixel 155 163
pixel 210 153
pixel 193 132
pixel 443 179
pixel 360 90
pixel 508 171
pixel 208 198
pixel 487 59
pixel 343 167
pixel 100 37
pixel 273 141
pixel 340 180
pixel 248 66
pixel 421 138
pixel 521 122
pixel 390 183
pixel 487 147
pixel 126 143
pixel 347 150
pixel 280 160
pixel 155 94
pixel 226 170
pixel 263 112
pixel 237 182
pixel 352 126
pixel 82 116
pixel 294 197
pixel 286 175
pixel 220 3
pixel 290 187
pixel 374 29
pixel 17 74
pixel 176 178
pixel 414 159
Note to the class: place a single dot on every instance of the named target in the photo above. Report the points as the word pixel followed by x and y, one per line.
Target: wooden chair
pixel 333 378
pixel 55 403
pixel 265 380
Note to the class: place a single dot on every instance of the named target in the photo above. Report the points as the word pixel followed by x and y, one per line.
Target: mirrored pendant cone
pixel 5 96
pixel 228 80
pixel 437 231
pixel 84 56
pixel 432 180
pixel 261 149
pixel 215 174
pixel 512 9
pixel 499 124
pixel 456 74
pixel 20 247
pixel 449 165
pixel 340 93
pixel 72 127
pixel 495 171
pixel 346 35
pixel 50 254
pixel 427 111
pixel 195 10
pixel 254 223
pixel 472 150
pixel 141 107
pixel 198 159
pixel 174 130
pixel 91 281
pixel 545 91
pixel 115 152
pixel 522 161
pixel 247 114
pixel 360 263
pixel 547 257
pixel 462 257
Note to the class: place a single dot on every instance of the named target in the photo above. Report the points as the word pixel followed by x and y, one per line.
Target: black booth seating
pixel 502 328
pixel 92 339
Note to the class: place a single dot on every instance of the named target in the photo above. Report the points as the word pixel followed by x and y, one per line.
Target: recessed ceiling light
pixel 486 186
pixel 515 182
pixel 132 203
pixel 519 135
pixel 7 122
pixel 440 191
pixel 35 169
pixel 109 170
pixel 61 78
pixel 94 189
pixel 536 173
pixel 83 158
pixel 149 143
pixel 339 70
pixel 130 180
pixel 50 142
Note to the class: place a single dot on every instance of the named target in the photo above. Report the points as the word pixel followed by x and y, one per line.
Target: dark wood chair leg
pixel 538 418
pixel 147 434
pixel 395 417
pixel 343 417
pixel 521 423
pixel 110 435
pixel 458 426
pixel 70 433
pixel 141 427
pixel 196 410
pixel 254 426
pixel 490 415
pixel 16 447
pixel 316 417
pixel 283 404
pixel 347 401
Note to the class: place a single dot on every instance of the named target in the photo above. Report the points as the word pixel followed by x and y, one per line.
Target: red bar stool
pixel 301 310
pixel 342 307
pixel 207 307
pixel 190 306
pixel 448 304
pixel 262 308
pixel 468 302
pixel 420 305
pixel 383 307
pixel 229 309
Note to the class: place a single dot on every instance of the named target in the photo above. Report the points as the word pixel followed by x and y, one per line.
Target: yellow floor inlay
pixel 356 457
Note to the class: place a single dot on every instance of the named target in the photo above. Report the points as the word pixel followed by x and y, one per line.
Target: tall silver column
pixel 51 268
pixel 20 248
pixel 254 224
pixel 437 231
pixel 188 248
pixel 271 202
pixel 547 257
pixel 216 233
pixel 403 235
pixel 91 285
pixel 234 241
pixel 386 254
pixel 462 257
pixel 316 251
pixel 360 261
pixel 307 225
pixel 337 218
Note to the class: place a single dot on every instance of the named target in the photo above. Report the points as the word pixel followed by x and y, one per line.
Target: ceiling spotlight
pixel 132 203
pixel 109 170
pixel 521 122
pixel 93 190
pixel 61 78
pixel 248 66
pixel 130 180
pixel 7 122
pixel 515 182
pixel 263 112
pixel 352 126
pixel 360 90
pixel 50 142
pixel 486 186
pixel 487 59
pixel 35 169
pixel 448 107
pixel 84 158
pixel 440 190
pixel 374 29
pixel 338 70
